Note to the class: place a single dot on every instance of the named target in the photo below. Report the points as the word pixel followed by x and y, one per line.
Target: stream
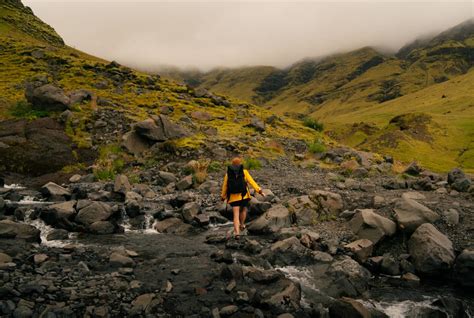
pixel 395 302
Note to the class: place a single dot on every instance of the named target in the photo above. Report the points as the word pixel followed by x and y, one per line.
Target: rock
pixel 348 307
pixel 202 116
pixel 458 180
pixel 257 124
pixel 362 249
pixel 59 215
pixel 288 251
pixel 21 139
pixel 54 191
pixel 10 229
pixel 378 201
pixel 367 224
pixel 209 187
pixel 102 227
pixel 4 258
pixel 158 129
pixel 166 177
pixel 271 221
pixel 410 214
pixel 47 97
pixel 185 183
pixel 432 252
pixel 2 182
pixel 79 96
pixel 94 212
pixel 390 265
pixel 257 207
pixel 413 169
pixel 228 310
pixel 134 143
pixel 413 195
pixel 132 208
pixel 451 216
pixel 285 297
pixel 348 278
pixel 142 302
pixel 411 279
pixel 117 259
pixel 171 226
pixel 57 234
pixel 464 268
pixel 75 178
pixel 202 219
pixel 121 184
pixel 40 258
pixel 190 211
pixel 331 203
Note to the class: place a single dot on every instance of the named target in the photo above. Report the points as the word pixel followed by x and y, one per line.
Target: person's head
pixel 237 161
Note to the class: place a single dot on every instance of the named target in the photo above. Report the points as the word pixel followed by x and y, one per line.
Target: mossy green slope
pixel 27 54
pixel 368 86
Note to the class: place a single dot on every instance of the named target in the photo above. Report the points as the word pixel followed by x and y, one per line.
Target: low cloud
pixel 229 33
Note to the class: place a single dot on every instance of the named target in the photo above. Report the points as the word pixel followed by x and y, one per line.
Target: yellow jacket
pixel 237 196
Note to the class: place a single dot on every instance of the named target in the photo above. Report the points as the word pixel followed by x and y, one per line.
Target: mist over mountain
pixel 230 34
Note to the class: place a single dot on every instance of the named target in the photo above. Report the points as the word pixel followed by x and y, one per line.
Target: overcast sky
pixel 237 33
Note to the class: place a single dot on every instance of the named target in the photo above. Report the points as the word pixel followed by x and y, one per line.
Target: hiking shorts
pixel 242 203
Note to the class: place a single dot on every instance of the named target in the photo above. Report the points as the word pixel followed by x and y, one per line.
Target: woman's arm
pixel 252 182
pixel 224 188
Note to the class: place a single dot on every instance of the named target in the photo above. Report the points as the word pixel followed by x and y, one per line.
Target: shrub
pixel 313 124
pixel 252 164
pixel 22 109
pixel 110 162
pixel 198 168
pixel 316 146
pixel 214 166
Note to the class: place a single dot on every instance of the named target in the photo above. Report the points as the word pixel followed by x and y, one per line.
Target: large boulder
pixel 330 203
pixel 47 97
pixel 431 250
pixel 367 224
pixel 93 212
pixel 271 221
pixel 410 214
pixel 347 278
pixel 15 230
pixel 55 192
pixel 134 143
pixel 190 210
pixel 60 215
pixel 121 184
pixel 464 268
pixel 318 206
pixel 172 226
pixel 159 128
pixel 34 147
pixel 458 180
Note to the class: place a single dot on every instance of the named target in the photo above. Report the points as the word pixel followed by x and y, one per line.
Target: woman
pixel 236 193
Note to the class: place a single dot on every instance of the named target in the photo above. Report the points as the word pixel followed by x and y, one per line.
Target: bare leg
pixel 235 211
pixel 243 216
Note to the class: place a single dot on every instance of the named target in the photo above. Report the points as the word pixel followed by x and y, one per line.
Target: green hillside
pixel 368 86
pixel 32 51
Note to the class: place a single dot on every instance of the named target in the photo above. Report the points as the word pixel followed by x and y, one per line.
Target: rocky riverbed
pixel 319 244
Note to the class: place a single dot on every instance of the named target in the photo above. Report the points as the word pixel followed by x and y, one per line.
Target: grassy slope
pixel 135 100
pixel 328 90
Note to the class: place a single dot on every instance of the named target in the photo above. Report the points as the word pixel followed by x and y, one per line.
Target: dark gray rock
pixel 47 97
pixel 431 250
pixel 458 180
pixel 14 230
pixel 464 268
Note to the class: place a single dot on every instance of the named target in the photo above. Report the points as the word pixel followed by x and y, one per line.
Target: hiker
pixel 236 193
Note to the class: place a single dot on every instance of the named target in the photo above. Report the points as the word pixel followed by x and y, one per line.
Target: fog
pixel 238 33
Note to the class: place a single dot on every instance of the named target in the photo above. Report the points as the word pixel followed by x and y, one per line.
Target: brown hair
pixel 236 161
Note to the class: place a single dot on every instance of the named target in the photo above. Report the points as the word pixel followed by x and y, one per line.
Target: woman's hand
pixel 261 193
